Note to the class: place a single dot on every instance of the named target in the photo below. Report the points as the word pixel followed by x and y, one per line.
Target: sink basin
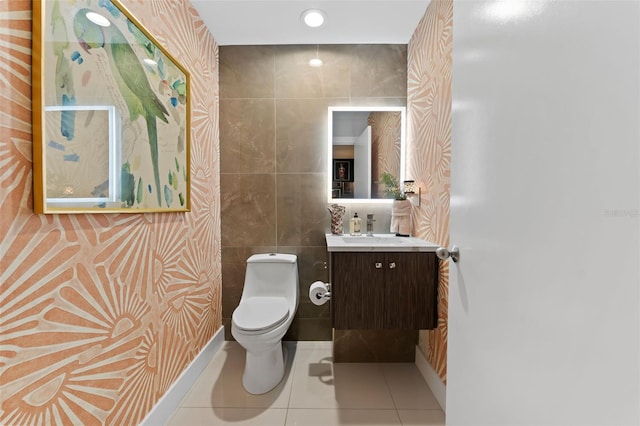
pixel 373 240
pixel 378 242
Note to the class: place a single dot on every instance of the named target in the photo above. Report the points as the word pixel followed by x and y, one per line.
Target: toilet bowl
pixel 267 306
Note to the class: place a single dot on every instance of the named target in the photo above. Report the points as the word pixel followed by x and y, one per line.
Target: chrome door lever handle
pixel 443 253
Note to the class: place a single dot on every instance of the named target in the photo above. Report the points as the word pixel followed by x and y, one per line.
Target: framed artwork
pixel 111 113
pixel 343 170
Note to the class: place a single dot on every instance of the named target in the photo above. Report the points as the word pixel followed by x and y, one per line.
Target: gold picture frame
pixel 111 113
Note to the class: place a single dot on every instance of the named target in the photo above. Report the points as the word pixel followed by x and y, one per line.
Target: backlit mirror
pixel 363 143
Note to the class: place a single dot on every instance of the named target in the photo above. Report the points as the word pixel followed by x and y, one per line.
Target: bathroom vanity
pixel 385 287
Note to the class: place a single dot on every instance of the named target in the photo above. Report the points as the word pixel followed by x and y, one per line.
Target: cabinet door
pixel 411 291
pixel 357 290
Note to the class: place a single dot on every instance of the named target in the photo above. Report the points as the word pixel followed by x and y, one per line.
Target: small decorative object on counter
pixel 337 214
pixel 355 226
pixel 370 221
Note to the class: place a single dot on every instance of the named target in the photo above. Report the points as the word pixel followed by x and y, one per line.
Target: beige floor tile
pixel 313 360
pixel 422 417
pixel 317 383
pixel 312 378
pixel 408 388
pixel 220 385
pixel 197 416
pixel 327 417
pixel 316 391
pixel 361 386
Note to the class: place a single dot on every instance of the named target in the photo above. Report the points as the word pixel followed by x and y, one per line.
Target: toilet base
pixel 264 370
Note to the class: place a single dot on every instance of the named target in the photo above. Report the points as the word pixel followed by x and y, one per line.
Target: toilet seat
pixel 256 315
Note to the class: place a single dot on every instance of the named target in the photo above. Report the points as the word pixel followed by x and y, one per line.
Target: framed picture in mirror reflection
pixel 343 169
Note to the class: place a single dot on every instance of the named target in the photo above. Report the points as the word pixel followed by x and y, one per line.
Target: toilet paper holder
pixel 325 295
pixel 320 293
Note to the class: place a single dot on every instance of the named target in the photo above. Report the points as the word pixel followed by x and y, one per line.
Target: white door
pixel 362 165
pixel 545 186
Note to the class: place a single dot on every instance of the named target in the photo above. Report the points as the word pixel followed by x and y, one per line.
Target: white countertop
pixel 379 242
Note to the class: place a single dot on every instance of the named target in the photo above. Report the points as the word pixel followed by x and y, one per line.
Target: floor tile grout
pixel 322 353
pixel 292 374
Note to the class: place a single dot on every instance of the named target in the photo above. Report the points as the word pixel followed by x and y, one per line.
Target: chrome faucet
pixel 370 221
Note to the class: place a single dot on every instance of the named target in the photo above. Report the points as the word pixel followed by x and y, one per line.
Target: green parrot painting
pixel 130 76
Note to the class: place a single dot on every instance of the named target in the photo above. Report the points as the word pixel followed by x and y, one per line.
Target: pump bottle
pixel 355 226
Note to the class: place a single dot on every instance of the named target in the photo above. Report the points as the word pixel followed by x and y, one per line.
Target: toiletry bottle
pixel 370 221
pixel 355 225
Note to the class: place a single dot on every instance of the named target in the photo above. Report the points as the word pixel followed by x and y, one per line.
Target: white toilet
pixel 267 307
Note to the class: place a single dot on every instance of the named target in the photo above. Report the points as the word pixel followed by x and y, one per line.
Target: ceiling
pixel 252 22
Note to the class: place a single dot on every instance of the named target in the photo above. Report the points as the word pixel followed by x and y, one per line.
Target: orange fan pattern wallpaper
pixel 385 146
pixel 429 151
pixel 100 313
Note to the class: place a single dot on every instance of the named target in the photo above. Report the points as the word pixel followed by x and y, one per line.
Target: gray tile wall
pixel 273 135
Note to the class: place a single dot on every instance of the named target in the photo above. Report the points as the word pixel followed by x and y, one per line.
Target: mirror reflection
pixel 364 142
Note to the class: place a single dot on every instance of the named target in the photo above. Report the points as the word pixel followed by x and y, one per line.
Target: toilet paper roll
pixel 317 291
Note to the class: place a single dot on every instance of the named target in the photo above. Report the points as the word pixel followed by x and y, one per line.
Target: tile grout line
pixel 386 382
pixel 292 378
pixel 387 376
pixel 275 143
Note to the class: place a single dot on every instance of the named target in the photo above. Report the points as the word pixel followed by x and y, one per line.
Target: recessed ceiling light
pixel 98 19
pixel 149 62
pixel 313 17
pixel 315 62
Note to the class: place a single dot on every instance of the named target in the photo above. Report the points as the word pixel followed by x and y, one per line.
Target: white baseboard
pixel 434 381
pixel 170 401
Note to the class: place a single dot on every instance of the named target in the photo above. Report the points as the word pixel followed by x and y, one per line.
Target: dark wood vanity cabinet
pixel 384 290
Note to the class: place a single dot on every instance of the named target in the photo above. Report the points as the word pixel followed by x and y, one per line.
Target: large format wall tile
pixel 247 72
pixel 309 329
pixel 298 218
pixel 296 79
pixel 249 144
pixel 379 71
pixel 302 214
pixel 400 101
pixel 248 209
pixel 301 134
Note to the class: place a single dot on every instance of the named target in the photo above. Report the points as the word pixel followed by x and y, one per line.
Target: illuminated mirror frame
pixel 403 148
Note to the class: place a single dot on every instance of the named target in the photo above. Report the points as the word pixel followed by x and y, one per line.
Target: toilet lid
pixel 260 313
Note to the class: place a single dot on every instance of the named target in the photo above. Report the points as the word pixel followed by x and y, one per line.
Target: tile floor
pixel 314 391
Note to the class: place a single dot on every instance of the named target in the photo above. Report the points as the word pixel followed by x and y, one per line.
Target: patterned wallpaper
pixel 429 150
pixel 100 313
pixel 385 147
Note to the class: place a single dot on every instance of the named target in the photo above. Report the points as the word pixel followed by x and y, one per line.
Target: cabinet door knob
pixel 392 265
pixel 378 265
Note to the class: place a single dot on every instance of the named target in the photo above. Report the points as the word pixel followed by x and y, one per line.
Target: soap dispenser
pixel 355 226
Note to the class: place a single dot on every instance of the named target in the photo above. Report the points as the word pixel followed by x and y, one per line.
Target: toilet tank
pixel 272 274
